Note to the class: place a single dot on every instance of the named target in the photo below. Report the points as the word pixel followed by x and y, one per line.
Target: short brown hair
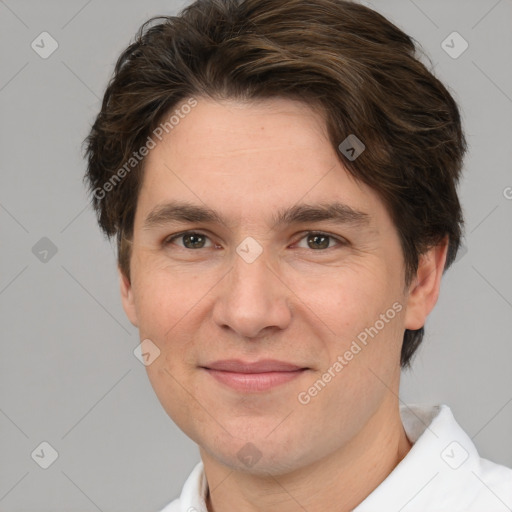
pixel 356 67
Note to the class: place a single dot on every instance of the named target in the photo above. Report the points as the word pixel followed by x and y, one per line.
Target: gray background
pixel 68 375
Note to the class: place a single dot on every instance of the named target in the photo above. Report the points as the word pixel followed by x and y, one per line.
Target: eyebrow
pixel 336 212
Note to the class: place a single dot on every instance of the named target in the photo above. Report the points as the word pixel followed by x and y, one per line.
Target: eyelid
pixel 169 239
pixel 340 240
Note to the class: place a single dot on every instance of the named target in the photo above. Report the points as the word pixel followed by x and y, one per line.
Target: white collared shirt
pixel 441 473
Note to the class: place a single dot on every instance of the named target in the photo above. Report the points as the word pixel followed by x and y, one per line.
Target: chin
pixel 249 459
pixel 261 456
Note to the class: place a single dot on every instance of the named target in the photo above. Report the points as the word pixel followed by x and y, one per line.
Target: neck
pixel 346 477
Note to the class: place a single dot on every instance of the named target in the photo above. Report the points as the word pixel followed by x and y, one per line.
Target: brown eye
pixel 318 241
pixel 189 240
pixel 194 241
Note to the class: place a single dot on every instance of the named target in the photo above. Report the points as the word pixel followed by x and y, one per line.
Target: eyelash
pixel 340 241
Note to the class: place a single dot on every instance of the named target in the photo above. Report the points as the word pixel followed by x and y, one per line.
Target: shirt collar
pixel 437 471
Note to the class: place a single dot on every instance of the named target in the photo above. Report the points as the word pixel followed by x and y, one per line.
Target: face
pixel 271 282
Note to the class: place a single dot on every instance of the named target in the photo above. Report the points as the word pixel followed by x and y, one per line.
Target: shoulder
pixel 494 483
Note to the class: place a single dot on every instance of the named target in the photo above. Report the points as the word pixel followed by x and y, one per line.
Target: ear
pixel 424 288
pixel 127 298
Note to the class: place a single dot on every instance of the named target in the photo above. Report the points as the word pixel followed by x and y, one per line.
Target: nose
pixel 252 301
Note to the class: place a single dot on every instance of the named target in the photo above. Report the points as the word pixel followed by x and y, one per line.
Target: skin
pixel 294 303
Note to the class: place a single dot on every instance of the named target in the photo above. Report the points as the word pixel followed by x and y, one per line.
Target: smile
pixel 253 377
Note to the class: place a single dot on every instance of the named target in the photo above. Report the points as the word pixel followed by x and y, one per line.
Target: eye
pixel 190 240
pixel 318 241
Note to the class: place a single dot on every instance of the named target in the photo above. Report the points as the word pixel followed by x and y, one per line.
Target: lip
pixel 253 376
pixel 263 366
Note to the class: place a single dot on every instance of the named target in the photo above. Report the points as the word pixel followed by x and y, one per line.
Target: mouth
pixel 250 377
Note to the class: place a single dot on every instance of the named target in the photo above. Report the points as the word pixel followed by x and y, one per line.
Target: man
pixel 281 179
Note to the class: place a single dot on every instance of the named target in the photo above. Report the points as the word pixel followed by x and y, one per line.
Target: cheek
pixel 171 308
pixel 151 304
pixel 348 298
pixel 363 310
pixel 164 296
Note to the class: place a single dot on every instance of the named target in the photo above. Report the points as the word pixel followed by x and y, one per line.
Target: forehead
pixel 245 132
pixel 250 159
